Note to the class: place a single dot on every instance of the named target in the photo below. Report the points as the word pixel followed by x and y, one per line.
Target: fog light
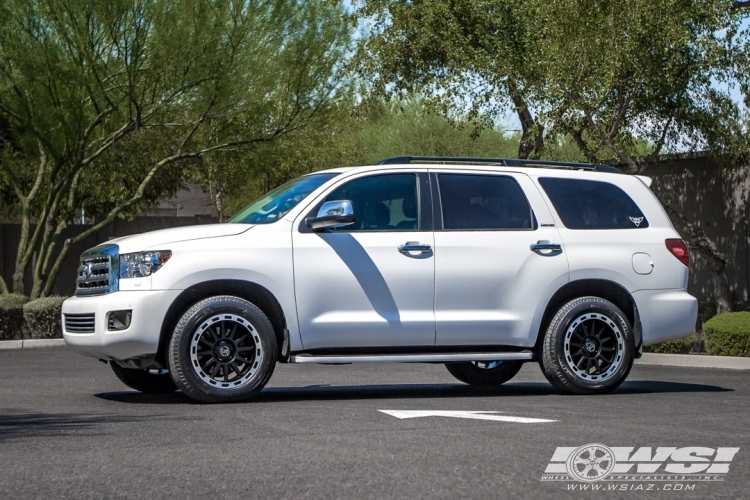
pixel 119 320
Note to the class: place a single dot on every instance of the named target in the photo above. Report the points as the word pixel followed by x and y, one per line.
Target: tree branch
pixel 701 242
pixel 660 142
pixel 578 138
pixel 154 170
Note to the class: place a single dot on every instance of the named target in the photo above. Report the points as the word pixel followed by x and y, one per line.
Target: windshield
pixel 274 205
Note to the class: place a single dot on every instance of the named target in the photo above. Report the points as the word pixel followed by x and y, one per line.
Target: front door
pixel 491 284
pixel 360 285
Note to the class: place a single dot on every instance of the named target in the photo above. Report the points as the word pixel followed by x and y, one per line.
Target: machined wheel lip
pixel 236 342
pixel 613 337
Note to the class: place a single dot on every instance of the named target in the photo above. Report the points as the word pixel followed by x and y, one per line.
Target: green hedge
pixel 680 346
pixel 42 318
pixel 728 334
pixel 11 316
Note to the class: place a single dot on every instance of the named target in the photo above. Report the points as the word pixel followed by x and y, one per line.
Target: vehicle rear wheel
pixel 484 372
pixel 223 349
pixel 588 347
pixel 148 381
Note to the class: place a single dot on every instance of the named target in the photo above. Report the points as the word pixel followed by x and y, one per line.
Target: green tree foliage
pixel 104 103
pixel 479 55
pixel 618 72
pixel 363 135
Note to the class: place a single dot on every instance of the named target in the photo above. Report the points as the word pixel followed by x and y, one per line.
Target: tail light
pixel 679 249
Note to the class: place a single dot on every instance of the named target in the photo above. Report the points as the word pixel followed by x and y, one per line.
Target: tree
pixel 94 92
pixel 610 75
pixel 478 54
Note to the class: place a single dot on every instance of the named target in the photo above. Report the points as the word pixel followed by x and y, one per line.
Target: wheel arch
pixel 605 289
pixel 252 292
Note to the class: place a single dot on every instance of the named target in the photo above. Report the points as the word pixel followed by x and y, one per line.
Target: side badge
pixel 636 220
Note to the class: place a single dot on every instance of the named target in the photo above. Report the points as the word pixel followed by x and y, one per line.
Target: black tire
pixel 484 373
pixel 227 337
pixel 150 382
pixel 588 347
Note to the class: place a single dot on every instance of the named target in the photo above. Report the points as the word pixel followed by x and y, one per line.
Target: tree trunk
pixel 219 206
pixel 706 248
pixel 532 133
pixel 721 286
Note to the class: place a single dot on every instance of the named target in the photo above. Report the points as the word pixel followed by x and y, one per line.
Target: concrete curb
pixel 30 344
pixel 694 361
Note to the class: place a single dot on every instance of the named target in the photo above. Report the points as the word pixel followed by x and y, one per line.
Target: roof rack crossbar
pixel 505 162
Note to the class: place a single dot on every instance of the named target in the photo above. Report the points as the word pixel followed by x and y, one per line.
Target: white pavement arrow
pixel 476 415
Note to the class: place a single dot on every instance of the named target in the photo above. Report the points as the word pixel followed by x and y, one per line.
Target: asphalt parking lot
pixel 69 429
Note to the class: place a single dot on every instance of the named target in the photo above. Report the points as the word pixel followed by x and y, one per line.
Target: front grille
pixel 93 275
pixel 80 323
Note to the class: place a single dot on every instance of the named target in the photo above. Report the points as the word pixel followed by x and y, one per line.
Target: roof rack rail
pixel 504 162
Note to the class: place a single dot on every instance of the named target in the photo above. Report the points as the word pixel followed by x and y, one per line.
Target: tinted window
pixel 483 202
pixel 381 202
pixel 593 205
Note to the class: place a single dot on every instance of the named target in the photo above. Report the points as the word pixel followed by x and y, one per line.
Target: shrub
pixel 679 346
pixel 728 334
pixel 43 318
pixel 11 316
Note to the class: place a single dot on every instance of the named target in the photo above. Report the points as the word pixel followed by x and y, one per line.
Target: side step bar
pixel 413 358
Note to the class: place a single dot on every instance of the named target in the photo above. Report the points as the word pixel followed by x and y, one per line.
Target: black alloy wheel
pixel 588 347
pixel 223 349
pixel 593 346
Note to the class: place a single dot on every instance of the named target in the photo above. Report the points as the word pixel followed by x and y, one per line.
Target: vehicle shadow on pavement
pixel 397 391
pixel 18 424
pixel 459 390
pixel 658 386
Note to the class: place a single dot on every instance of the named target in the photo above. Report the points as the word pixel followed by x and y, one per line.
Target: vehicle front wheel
pixel 484 372
pixel 223 349
pixel 148 381
pixel 588 347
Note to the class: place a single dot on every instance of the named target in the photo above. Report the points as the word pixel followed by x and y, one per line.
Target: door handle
pixel 413 246
pixel 545 248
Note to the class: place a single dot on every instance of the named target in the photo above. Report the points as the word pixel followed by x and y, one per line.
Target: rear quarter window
pixel 585 204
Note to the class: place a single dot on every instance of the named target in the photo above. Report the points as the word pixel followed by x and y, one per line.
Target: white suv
pixel 481 264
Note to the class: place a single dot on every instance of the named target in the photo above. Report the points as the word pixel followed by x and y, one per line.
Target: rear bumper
pixel 140 339
pixel 666 314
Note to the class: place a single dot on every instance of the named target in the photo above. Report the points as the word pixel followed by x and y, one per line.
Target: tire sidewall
pixel 555 343
pixel 181 368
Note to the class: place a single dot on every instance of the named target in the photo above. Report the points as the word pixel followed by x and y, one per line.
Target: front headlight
pixel 141 264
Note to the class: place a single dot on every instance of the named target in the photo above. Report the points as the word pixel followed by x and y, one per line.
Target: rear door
pixel 498 258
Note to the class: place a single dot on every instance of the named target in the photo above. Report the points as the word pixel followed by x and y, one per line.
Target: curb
pixel 694 361
pixel 30 344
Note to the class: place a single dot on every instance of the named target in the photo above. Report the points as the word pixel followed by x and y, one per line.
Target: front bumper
pixel 666 314
pixel 138 340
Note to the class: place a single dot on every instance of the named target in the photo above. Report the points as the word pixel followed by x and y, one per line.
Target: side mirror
pixel 332 214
